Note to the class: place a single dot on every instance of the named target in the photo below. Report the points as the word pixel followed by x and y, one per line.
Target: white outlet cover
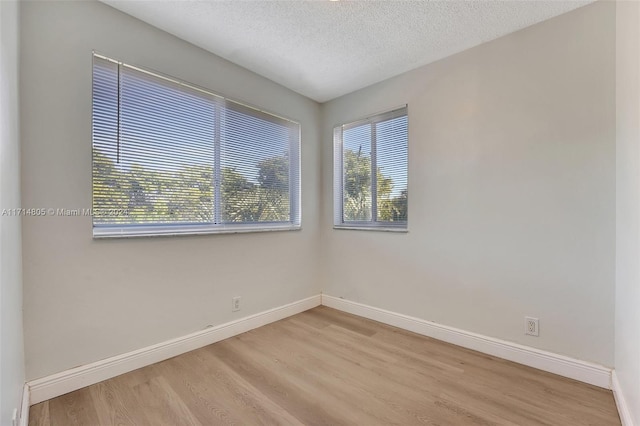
pixel 235 304
pixel 531 326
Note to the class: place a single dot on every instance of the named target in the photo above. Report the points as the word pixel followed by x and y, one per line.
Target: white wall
pixel 627 337
pixel 511 190
pixel 11 336
pixel 86 300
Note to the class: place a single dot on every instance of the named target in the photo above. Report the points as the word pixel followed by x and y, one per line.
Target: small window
pixel 172 158
pixel 370 172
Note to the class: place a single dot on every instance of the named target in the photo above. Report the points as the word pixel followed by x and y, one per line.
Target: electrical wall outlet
pixel 14 418
pixel 235 304
pixel 531 326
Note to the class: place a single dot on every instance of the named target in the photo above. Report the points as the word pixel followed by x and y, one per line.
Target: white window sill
pixel 372 228
pixel 171 231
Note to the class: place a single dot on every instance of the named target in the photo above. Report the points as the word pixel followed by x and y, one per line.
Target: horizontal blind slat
pixel 154 148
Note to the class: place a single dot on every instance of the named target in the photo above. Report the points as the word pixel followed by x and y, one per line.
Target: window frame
pixel 338 170
pixel 187 228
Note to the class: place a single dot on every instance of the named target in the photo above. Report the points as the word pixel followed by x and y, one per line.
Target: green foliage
pixel 187 194
pixel 273 191
pixel 237 195
pixel 393 209
pixel 273 173
pixel 357 186
pixel 357 191
pixel 268 201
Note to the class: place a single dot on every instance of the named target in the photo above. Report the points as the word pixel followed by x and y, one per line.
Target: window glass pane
pixel 255 168
pixel 172 158
pixel 166 151
pixel 391 154
pixel 362 198
pixel 356 142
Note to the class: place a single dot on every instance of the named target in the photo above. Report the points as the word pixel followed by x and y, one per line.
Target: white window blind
pixel 171 158
pixel 370 172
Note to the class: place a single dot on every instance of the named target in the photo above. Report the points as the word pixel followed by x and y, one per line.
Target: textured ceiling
pixel 325 49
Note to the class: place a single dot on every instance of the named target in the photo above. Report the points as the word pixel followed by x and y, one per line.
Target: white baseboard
pixel 621 402
pixel 76 378
pixel 79 377
pixel 24 406
pixel 583 371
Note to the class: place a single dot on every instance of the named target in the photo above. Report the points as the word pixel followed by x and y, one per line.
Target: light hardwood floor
pixel 325 367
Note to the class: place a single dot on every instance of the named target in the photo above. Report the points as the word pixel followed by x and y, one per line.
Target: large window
pixel 370 172
pixel 171 158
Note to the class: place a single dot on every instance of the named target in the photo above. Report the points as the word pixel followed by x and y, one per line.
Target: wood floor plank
pixel 162 405
pixel 347 321
pixel 73 409
pixel 295 395
pixel 336 390
pixel 204 380
pixel 115 403
pixel 391 388
pixel 325 367
pixel 39 414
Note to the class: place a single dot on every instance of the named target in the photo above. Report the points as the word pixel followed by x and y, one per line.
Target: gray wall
pixel 11 337
pixel 511 190
pixel 86 300
pixel 627 338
